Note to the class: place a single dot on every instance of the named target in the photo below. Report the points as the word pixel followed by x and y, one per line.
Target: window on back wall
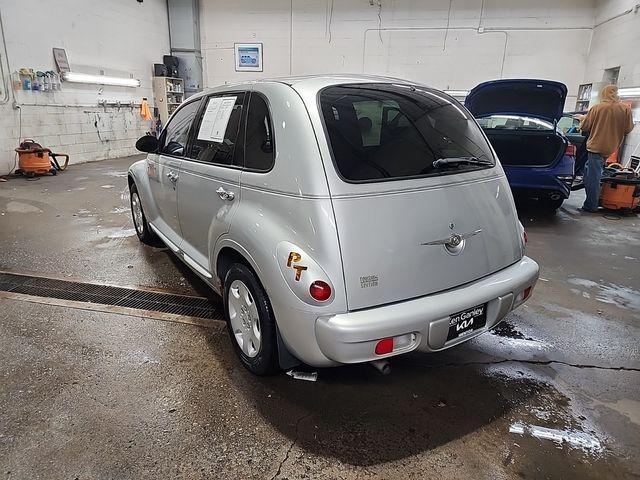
pixel 611 75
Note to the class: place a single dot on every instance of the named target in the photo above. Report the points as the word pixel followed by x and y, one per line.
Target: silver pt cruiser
pixel 343 219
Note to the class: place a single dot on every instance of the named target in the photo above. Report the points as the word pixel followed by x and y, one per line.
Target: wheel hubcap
pixel 245 320
pixel 136 209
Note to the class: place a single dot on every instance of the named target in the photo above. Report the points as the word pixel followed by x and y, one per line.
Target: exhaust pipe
pixel 383 366
pixel 554 196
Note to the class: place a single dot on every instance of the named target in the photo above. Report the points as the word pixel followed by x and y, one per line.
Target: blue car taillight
pixel 567 180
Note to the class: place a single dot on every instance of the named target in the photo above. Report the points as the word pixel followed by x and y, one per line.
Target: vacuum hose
pixel 54 160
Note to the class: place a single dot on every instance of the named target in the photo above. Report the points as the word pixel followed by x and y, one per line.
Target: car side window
pixel 216 133
pixel 568 124
pixel 176 133
pixel 259 152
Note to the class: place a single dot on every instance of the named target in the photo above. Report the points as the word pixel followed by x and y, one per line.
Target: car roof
pixel 307 82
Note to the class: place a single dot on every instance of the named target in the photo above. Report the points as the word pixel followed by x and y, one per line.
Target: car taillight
pixel 320 290
pixel 522 296
pixel 567 180
pixel 571 150
pixel 524 237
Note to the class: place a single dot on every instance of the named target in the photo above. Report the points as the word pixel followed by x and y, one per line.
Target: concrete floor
pixel 89 394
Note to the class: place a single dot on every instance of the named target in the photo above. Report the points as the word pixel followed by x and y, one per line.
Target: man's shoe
pixel 587 210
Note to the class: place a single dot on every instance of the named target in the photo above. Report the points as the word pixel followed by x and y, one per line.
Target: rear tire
pixel 144 232
pixel 553 205
pixel 250 321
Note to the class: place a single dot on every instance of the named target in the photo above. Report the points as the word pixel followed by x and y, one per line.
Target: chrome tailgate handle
pixel 225 194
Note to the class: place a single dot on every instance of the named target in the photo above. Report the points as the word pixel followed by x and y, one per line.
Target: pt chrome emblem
pixel 454 244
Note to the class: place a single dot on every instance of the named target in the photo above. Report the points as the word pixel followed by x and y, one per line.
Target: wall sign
pixel 248 57
pixel 60 56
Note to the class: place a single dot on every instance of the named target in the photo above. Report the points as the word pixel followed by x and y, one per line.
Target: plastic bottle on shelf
pixel 25 76
pixel 55 81
pixel 46 82
pixel 16 82
pixel 35 83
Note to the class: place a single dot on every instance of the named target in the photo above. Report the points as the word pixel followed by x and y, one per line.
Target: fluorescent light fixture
pixel 629 92
pixel 99 79
pixel 457 93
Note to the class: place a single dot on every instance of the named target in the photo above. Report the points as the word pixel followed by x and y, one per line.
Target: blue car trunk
pixel 519 118
pixel 527 149
pixel 541 99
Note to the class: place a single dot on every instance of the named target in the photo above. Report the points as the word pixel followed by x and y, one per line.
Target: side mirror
pixel 148 144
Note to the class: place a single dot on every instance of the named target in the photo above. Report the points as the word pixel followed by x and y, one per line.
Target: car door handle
pixel 225 194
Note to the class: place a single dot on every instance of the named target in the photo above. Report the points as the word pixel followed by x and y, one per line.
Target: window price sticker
pixel 215 118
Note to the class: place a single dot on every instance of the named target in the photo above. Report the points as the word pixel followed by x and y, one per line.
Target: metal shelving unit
pixel 168 93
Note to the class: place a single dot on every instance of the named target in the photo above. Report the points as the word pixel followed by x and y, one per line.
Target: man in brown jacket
pixel 607 123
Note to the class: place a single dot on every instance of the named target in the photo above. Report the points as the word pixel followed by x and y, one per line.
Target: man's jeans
pixel 592 177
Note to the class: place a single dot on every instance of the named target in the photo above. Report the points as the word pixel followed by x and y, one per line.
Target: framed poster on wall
pixel 248 57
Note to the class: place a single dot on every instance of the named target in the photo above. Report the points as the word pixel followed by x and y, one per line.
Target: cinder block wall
pixel 86 134
pixel 119 37
pixel 616 43
pixel 446 44
pixel 449 45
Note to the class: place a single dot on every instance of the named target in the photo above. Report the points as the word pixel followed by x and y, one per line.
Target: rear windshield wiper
pixel 455 161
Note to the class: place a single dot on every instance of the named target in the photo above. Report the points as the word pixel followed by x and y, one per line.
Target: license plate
pixel 465 322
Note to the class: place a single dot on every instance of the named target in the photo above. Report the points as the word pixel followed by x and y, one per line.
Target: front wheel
pixel 144 232
pixel 250 321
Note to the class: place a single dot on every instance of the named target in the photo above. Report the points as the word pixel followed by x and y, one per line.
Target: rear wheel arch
pixel 226 257
pixel 234 253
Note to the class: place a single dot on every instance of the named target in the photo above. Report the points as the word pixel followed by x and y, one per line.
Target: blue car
pixel 520 118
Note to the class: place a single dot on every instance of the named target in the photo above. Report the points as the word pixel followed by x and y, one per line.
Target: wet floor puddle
pixel 576 439
pixel 509 339
pixel 506 329
pixel 544 429
pixel 610 293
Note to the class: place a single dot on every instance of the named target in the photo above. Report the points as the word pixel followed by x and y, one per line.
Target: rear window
pixel 385 131
pixel 513 122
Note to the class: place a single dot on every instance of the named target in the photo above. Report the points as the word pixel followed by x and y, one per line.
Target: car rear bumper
pixel 423 323
pixel 542 181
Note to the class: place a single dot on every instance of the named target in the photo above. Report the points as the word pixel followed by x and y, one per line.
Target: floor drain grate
pixel 199 307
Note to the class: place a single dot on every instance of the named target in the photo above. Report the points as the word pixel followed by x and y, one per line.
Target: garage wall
pixel 118 37
pixel 448 44
pixel 616 39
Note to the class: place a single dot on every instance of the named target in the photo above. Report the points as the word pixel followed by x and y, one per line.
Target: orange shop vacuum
pixel 34 159
pixel 620 189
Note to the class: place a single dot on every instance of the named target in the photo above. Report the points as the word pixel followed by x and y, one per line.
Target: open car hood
pixel 542 99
